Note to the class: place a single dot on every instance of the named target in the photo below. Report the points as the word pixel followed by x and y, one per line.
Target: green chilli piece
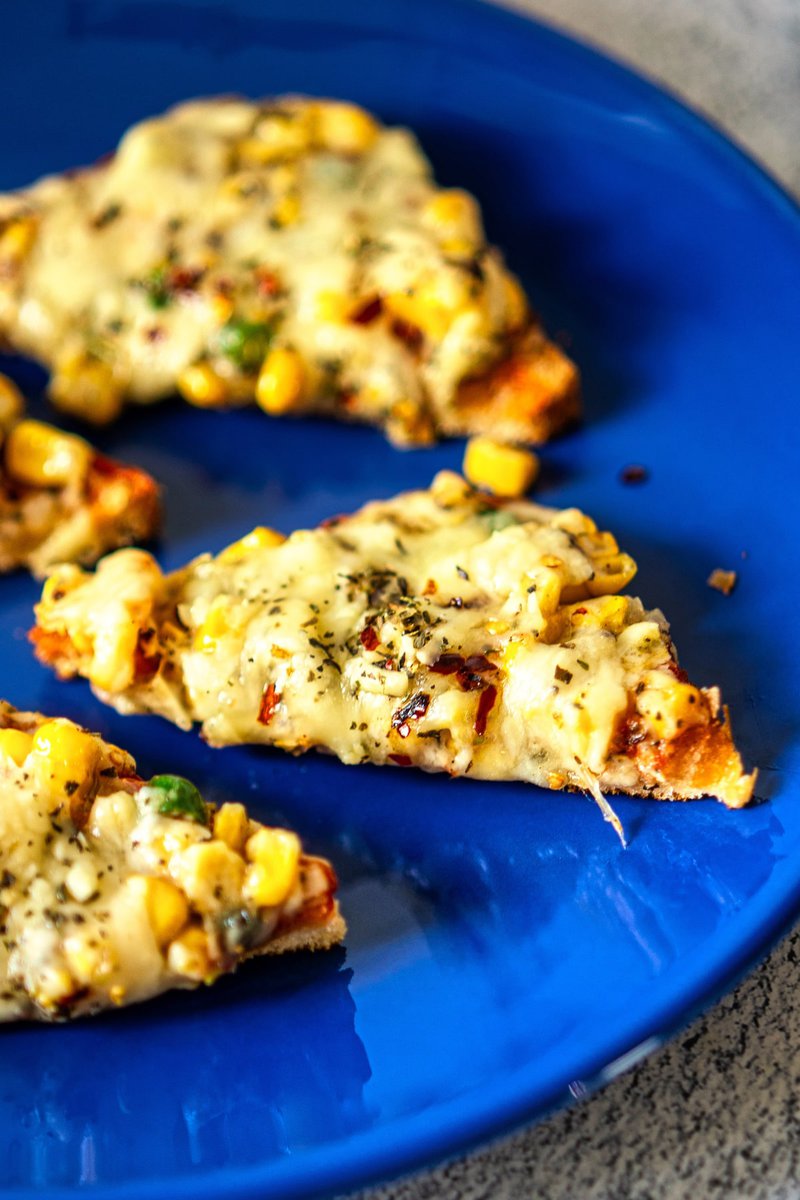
pixel 245 343
pixel 180 798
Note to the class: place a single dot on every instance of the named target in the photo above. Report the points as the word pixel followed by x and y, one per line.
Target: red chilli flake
pixel 448 664
pixel 368 638
pixel 412 710
pixel 486 703
pixel 368 312
pixel 407 333
pixel 145 664
pixel 269 702
pixel 401 760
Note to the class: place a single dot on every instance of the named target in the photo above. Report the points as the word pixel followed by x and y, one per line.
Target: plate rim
pixel 414 1143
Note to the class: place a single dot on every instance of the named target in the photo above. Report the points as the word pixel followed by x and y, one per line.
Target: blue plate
pixel 503 947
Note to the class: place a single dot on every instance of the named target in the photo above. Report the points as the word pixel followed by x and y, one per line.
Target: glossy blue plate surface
pixel 502 943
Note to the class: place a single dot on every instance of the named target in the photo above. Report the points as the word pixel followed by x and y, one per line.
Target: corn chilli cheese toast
pixel 293 252
pixel 438 629
pixel 113 890
pixel 60 500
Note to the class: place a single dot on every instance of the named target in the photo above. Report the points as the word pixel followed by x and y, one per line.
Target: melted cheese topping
pixel 120 900
pixel 227 229
pixel 436 629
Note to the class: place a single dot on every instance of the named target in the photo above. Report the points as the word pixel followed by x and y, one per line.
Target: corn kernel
pixel 345 128
pixel 189 956
pixel 54 985
pixel 504 470
pixel 260 538
pixel 81 880
pixel 15 744
pixel 274 855
pixel 280 381
pixel 210 873
pixel 286 210
pixel 17 238
pixel 611 575
pixel 86 387
pixel 449 489
pixel 423 311
pixel 217 624
pixel 202 386
pixel 12 402
pixel 66 759
pixel 281 134
pixel 43 456
pixel 165 904
pixel 232 825
pixel 668 706
pixel 89 962
pixel 453 212
pixel 607 612
pixel 113 817
pixel 222 307
pixel 332 306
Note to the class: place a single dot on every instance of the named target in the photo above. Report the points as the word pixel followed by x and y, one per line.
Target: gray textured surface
pixel 717 1112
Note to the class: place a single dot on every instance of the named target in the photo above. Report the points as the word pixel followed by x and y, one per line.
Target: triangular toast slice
pixel 290 251
pixel 440 629
pixel 113 889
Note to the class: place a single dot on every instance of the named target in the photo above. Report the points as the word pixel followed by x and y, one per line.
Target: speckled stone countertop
pixel 717 1112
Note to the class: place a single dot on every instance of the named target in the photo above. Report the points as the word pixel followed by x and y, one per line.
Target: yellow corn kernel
pixel 232 825
pixel 260 538
pixel 43 456
pixel 280 381
pixel 421 310
pixel 505 470
pixel 15 744
pixel 86 387
pixel 286 210
pixel 54 985
pixel 217 624
pixel 189 956
pixel 511 651
pixel 113 817
pixel 454 213
pixel 274 856
pixel 449 489
pixel 202 386
pixel 611 574
pixel 67 759
pixel 547 583
pixel 280 134
pixel 17 238
pixel 516 302
pixel 333 306
pixel 345 128
pixel 608 612
pixel 210 874
pixel 12 402
pixel 165 904
pixel 495 627
pixel 81 880
pixel 222 307
pixel 90 962
pixel 669 706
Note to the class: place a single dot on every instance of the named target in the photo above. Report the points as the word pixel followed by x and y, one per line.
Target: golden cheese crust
pixel 114 890
pixel 440 629
pixel 293 252
pixel 62 501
